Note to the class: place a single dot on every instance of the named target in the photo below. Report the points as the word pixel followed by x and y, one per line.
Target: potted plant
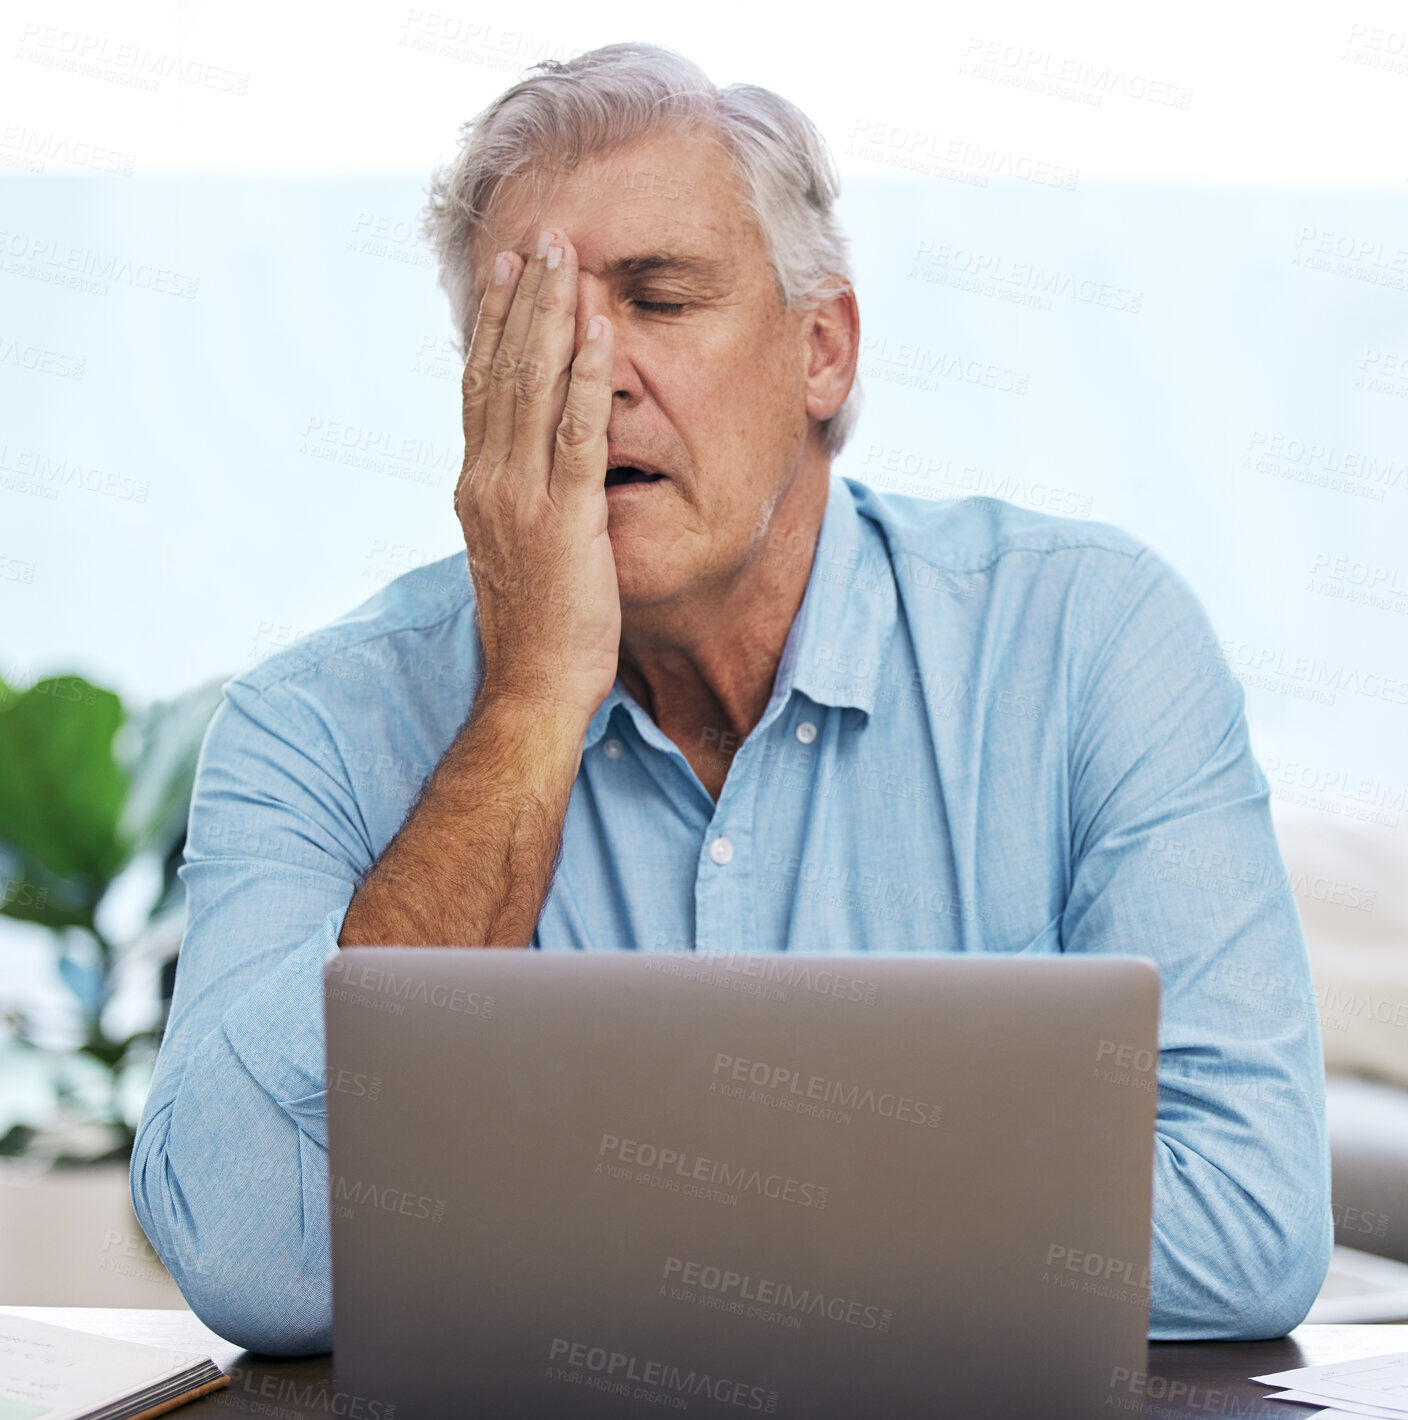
pixel 93 806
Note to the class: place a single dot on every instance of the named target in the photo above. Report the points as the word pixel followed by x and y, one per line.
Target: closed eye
pixel 666 308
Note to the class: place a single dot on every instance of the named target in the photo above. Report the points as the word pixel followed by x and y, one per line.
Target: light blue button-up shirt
pixel 991 730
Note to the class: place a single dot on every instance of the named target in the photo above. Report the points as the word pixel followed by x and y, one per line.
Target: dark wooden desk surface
pixel 1187 1380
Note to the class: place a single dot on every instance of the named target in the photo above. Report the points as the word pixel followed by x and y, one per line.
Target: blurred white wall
pixel 71 1239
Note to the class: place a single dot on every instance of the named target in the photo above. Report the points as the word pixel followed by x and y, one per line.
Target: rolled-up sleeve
pixel 1174 857
pixel 229 1169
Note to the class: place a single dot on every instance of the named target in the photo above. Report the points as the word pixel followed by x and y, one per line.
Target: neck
pixel 711 667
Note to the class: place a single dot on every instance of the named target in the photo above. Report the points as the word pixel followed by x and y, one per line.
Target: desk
pixel 1188 1380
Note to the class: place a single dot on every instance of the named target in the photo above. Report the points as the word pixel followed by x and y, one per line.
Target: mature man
pixel 689 689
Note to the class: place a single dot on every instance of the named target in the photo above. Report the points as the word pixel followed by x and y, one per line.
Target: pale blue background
pixel 243 540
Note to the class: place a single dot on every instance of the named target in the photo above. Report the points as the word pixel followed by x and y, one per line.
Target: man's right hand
pixel 531 497
pixel 474 861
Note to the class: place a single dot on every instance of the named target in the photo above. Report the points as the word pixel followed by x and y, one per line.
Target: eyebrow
pixel 665 263
pixel 709 273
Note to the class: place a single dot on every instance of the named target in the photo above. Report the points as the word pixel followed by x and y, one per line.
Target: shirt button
pixel 806 732
pixel 612 749
pixel 721 850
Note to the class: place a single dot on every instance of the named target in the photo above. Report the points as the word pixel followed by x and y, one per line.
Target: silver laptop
pixel 637 1184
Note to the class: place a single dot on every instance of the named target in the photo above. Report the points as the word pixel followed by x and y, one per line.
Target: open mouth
pixel 618 477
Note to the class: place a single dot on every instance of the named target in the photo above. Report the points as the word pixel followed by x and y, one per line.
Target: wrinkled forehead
pixel 678 192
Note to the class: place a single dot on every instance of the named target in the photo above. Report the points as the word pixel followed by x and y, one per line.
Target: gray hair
pixel 601 101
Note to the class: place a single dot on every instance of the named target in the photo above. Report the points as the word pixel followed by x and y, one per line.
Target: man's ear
pixel 832 334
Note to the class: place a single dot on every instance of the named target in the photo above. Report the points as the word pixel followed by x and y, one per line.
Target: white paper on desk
pixel 1343 1407
pixel 55 1373
pixel 1332 1414
pixel 1377 1381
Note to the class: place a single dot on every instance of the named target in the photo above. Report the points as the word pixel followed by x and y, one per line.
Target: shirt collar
pixel 836 647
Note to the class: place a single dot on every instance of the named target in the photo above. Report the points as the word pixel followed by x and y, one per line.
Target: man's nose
pixel 592 300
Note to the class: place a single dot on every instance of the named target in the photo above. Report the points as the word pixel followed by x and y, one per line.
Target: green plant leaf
pixel 16 1140
pixel 108 1052
pixel 61 788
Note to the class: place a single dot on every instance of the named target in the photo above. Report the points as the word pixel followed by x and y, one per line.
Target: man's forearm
pixel 472 864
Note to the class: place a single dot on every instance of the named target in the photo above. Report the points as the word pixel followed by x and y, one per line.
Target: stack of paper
pixel 52 1373
pixel 1350 1389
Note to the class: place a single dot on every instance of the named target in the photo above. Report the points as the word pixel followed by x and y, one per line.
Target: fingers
pixel 484 343
pixel 504 367
pixel 580 447
pixel 545 364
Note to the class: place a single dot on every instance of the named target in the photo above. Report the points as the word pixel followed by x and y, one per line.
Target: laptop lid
pixel 622 1184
